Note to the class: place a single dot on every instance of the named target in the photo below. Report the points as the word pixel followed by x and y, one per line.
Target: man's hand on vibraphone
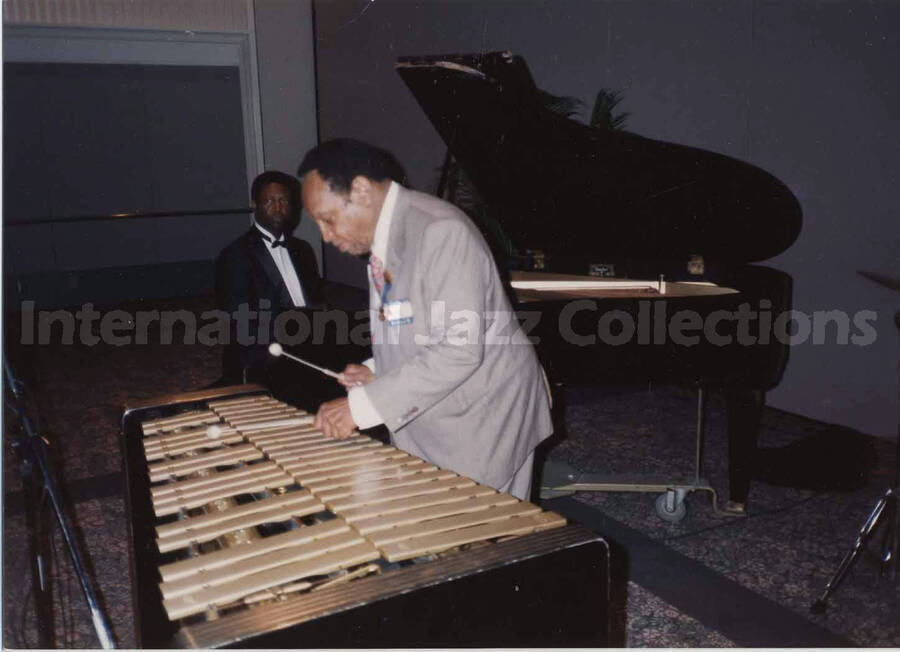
pixel 334 419
pixel 356 375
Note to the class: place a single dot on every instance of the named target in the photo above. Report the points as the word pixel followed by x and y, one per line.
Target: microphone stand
pixel 39 480
pixel 886 512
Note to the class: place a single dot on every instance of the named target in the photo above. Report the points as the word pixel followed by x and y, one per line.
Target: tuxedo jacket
pixel 457 381
pixel 247 274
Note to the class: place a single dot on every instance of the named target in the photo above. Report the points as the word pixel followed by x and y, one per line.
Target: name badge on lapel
pixel 397 313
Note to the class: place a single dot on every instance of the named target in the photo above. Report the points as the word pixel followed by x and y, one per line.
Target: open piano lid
pixel 560 185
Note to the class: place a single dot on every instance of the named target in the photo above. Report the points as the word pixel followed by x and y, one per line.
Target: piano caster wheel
pixel 670 505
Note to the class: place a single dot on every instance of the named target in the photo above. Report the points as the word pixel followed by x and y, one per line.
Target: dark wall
pixel 95 139
pixel 807 91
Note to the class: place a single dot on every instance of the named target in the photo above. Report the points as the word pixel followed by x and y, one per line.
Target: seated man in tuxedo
pixel 269 282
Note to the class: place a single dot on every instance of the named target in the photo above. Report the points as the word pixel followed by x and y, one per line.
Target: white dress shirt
pixel 364 413
pixel 284 264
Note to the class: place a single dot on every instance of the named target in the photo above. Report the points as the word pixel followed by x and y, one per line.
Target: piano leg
pixel 744 413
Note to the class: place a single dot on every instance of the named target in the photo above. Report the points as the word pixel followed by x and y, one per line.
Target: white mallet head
pixel 275 349
pixel 214 431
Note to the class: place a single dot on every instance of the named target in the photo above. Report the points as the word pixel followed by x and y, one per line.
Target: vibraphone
pixel 250 528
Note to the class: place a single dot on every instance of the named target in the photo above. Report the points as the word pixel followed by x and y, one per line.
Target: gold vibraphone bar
pixel 250 527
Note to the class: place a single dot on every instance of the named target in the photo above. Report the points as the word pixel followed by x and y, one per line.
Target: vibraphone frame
pixel 539 590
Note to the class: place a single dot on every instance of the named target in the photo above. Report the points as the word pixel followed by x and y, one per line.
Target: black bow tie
pixel 274 243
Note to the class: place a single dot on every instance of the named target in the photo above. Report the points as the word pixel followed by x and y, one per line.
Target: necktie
pixel 377 272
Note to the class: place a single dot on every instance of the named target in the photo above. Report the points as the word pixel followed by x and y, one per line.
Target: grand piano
pixel 610 200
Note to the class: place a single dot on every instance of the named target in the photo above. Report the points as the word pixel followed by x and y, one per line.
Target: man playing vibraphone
pixel 453 377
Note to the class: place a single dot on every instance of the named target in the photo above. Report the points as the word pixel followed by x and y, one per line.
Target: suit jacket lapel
pixel 307 272
pixel 396 249
pixel 260 250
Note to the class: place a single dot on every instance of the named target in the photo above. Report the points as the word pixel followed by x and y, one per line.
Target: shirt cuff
pixel 370 363
pixel 361 409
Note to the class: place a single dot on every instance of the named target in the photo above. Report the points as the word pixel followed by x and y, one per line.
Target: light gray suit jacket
pixel 460 385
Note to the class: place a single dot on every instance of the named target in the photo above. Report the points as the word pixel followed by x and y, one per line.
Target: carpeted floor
pixel 706 581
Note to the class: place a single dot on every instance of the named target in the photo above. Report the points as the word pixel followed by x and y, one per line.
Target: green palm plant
pixel 604 105
pixel 563 105
pixel 462 192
